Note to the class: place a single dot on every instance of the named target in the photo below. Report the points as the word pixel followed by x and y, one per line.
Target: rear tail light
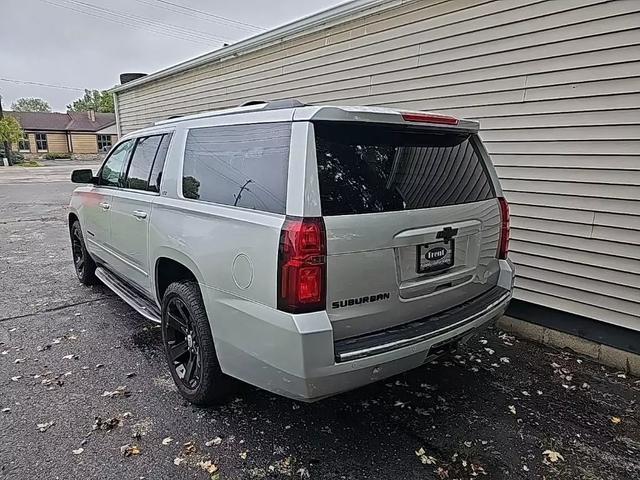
pixel 302 268
pixel 430 118
pixel 503 247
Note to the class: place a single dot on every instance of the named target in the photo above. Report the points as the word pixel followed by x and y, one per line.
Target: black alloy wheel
pixel 183 350
pixel 189 348
pixel 83 263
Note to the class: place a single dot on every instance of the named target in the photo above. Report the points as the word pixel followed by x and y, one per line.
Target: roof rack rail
pixel 275 104
pixel 257 105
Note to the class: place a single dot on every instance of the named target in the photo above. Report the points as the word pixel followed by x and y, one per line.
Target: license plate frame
pixel 424 265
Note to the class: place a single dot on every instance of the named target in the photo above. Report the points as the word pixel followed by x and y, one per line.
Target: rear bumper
pixel 295 355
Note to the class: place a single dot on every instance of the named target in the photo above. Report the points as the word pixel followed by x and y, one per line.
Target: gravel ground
pixel 498 408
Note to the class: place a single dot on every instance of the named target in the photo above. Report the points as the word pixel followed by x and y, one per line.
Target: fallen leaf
pixel 215 441
pixel 208 467
pixel 615 420
pixel 189 448
pixel 167 440
pixel 128 450
pixel 552 456
pixel 77 451
pixel 43 427
pixel 118 392
pixel 107 425
pixel 178 460
pixel 424 458
pixel 512 409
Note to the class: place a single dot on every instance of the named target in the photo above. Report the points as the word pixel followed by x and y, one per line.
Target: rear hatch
pixel 412 222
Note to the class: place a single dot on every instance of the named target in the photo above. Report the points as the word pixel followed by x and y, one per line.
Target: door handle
pixel 105 206
pixel 139 214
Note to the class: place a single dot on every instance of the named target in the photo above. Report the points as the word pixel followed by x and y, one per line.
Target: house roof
pixel 72 121
pixel 303 26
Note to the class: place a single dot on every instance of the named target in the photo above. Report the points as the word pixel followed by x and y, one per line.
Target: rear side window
pixel 385 168
pixel 238 165
pixel 158 164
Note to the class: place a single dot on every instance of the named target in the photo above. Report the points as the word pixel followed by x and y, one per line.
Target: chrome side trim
pixel 385 347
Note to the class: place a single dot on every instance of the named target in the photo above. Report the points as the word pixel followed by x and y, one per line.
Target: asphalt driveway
pixel 84 392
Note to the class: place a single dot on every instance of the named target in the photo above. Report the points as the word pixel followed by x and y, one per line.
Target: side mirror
pixel 84 175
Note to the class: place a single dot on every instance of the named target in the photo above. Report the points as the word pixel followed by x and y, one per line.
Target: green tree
pixel 10 132
pixel 96 100
pixel 30 104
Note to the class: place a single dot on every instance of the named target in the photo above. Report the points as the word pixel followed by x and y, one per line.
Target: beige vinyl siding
pixel 84 142
pixel 555 85
pixel 57 143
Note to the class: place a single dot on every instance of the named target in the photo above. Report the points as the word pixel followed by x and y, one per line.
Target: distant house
pixel 73 132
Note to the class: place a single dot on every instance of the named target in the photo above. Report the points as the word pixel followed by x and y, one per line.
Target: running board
pixel 129 294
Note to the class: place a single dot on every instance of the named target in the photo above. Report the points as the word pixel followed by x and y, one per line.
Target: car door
pixel 97 202
pixel 131 209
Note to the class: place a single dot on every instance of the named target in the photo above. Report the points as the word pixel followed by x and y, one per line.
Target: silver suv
pixel 307 250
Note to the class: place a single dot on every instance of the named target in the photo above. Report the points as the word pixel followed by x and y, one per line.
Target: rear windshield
pixel 383 168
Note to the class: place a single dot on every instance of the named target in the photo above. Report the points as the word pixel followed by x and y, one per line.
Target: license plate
pixel 434 257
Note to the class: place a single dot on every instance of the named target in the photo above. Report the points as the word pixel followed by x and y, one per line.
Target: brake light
pixel 503 246
pixel 430 118
pixel 302 268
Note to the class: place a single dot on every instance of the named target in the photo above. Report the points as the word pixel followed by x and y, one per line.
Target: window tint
pixel 240 165
pixel 141 162
pixel 158 164
pixel 376 168
pixel 112 169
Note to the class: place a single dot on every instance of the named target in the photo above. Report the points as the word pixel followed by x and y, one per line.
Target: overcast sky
pixel 52 42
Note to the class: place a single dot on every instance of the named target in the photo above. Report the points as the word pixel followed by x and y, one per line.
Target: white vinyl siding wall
pixel 555 85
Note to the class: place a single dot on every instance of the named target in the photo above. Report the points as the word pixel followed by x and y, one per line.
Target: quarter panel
pixel 213 236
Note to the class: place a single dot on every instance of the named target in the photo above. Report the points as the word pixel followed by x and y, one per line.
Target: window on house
pixel 23 143
pixel 41 142
pixel 104 143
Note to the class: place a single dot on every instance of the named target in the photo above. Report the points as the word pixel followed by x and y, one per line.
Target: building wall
pixel 32 143
pixel 84 143
pixel 555 85
pixel 57 143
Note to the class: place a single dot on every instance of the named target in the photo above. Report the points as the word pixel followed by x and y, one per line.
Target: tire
pixel 83 263
pixel 189 349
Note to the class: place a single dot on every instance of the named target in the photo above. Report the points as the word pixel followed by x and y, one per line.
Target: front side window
pixel 142 162
pixel 386 168
pixel 104 143
pixel 238 165
pixel 41 142
pixel 111 172
pixel 23 143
